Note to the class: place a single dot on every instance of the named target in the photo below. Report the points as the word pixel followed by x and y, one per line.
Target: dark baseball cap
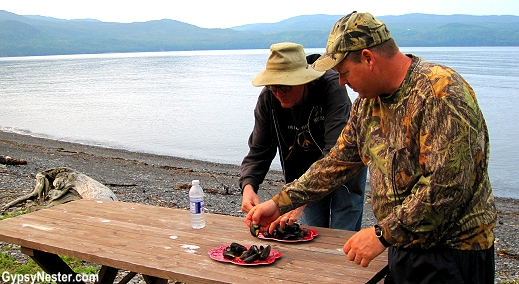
pixel 355 31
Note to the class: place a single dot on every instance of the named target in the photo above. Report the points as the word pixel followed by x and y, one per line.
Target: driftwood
pixel 6 160
pixel 61 185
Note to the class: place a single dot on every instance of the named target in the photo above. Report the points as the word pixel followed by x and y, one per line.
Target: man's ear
pixel 368 58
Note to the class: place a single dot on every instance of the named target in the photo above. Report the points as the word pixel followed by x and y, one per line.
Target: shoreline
pixel 157 159
pixel 164 181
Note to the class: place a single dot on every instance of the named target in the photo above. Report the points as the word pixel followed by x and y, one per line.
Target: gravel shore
pixel 165 181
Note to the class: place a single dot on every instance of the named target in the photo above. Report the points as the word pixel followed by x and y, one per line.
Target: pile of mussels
pixel 247 255
pixel 290 232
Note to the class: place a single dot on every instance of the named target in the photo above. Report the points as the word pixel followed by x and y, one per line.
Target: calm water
pixel 199 104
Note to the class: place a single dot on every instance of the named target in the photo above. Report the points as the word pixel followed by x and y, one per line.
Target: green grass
pixel 12 214
pixel 80 266
pixel 14 266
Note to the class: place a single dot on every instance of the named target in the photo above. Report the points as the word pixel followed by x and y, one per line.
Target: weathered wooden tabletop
pixel 159 242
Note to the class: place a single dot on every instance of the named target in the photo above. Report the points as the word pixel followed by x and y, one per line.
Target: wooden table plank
pixel 148 240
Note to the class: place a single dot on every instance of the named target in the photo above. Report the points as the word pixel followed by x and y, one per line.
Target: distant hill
pixel 38 35
pixel 295 24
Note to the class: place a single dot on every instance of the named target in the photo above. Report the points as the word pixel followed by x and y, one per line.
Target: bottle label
pixel 196 207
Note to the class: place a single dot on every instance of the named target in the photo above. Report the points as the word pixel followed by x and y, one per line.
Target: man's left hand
pixel 363 247
pixel 288 218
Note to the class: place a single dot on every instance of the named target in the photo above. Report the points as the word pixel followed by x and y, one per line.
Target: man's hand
pixel 249 198
pixel 363 247
pixel 262 215
pixel 288 218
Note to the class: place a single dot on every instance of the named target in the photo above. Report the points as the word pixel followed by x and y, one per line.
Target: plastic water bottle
pixel 196 205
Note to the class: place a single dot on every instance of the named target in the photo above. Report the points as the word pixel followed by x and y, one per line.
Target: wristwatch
pixel 380 235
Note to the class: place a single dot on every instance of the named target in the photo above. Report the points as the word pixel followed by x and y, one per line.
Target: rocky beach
pixel 165 181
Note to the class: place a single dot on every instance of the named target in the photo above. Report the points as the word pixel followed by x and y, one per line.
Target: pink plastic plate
pixel 217 254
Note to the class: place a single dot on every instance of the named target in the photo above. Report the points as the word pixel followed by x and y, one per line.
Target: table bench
pixel 160 244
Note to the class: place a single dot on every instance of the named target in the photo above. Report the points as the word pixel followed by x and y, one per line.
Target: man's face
pixel 358 76
pixel 290 98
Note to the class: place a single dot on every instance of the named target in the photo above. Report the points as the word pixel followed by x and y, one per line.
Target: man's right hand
pixel 263 215
pixel 249 198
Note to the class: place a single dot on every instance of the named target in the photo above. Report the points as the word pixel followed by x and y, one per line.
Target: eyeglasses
pixel 275 88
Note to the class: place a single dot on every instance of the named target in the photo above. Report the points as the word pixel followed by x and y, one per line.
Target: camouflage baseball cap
pixel 352 32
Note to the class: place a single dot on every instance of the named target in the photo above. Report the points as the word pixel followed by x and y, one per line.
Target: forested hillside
pixel 36 35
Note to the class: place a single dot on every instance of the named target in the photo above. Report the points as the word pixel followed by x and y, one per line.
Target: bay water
pixel 199 104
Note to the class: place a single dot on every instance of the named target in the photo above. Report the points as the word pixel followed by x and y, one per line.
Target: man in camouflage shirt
pixel 418 127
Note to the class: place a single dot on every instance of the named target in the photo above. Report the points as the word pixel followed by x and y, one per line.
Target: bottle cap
pixel 195 182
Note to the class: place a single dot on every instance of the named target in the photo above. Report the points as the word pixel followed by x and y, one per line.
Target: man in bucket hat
pixel 300 113
pixel 418 127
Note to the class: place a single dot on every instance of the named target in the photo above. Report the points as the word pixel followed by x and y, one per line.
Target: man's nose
pixel 278 92
pixel 343 81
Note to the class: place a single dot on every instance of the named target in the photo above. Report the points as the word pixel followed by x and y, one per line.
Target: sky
pixel 230 13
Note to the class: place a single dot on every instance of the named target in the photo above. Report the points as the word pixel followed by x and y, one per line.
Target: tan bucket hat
pixel 286 65
pixel 352 32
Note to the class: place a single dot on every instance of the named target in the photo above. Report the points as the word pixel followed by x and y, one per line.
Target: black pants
pixel 440 265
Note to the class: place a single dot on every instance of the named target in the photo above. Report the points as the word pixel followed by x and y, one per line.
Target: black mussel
pixel 264 252
pixel 269 235
pixel 294 228
pixel 238 248
pixel 251 255
pixel 228 253
pixel 288 236
pixel 254 229
pixel 234 250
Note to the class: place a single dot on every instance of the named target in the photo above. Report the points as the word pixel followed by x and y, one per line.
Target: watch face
pixel 380 234
pixel 378 231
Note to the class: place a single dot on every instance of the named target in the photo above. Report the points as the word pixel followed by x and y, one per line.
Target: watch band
pixel 380 235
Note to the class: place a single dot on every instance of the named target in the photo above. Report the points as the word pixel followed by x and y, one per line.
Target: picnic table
pixel 159 244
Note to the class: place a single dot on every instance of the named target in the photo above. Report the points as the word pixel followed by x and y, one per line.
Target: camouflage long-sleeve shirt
pixel 427 149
